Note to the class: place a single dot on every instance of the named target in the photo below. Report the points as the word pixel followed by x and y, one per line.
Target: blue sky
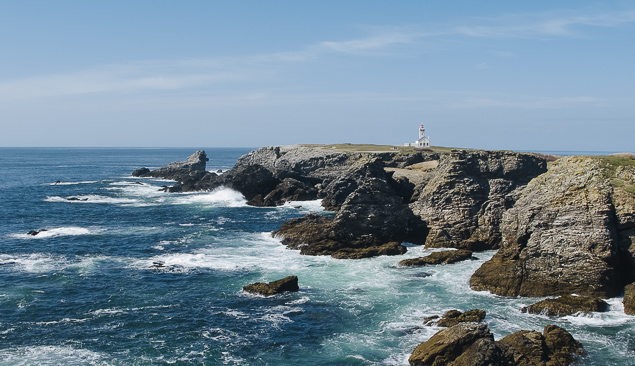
pixel 538 75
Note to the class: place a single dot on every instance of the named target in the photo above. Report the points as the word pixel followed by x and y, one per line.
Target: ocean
pixel 87 291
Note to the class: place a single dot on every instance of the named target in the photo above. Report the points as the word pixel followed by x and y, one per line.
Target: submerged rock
pixel 473 344
pixel 567 305
pixel 443 257
pixel 35 232
pixel 289 283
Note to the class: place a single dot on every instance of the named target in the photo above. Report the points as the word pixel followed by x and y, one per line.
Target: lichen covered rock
pixel 559 238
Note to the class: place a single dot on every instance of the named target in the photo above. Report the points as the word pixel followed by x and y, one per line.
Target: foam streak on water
pixel 145 277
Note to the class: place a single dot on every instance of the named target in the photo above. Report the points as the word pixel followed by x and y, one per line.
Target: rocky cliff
pixel 571 231
pixel 464 201
pixel 381 198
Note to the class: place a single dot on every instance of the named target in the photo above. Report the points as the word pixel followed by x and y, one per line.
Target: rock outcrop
pixel 188 173
pixel 289 283
pixel 379 197
pixel 629 299
pixel 454 317
pixel 567 305
pixel 464 202
pixel 442 257
pixel 569 232
pixel 473 344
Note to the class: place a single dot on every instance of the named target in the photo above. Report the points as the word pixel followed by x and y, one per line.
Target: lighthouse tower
pixel 423 140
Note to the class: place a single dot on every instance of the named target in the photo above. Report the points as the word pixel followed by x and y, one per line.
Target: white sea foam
pixel 59 231
pixel 33 263
pixel 91 198
pixel 223 196
pixel 310 206
pixel 71 183
pixel 50 355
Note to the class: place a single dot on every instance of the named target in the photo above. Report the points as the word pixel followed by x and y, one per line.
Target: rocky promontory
pixel 381 196
pixel 569 229
pixel 570 232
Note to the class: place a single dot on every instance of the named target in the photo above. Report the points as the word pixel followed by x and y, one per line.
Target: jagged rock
pixel 483 352
pixel 566 305
pixel 562 348
pixel 289 283
pixel 528 343
pixel 373 193
pixel 289 189
pixel 190 174
pixel 253 181
pixel 448 344
pixel 372 221
pixel 443 257
pixel 464 202
pixel 472 344
pixel 559 238
pixel 629 299
pixel 142 172
pixel 454 317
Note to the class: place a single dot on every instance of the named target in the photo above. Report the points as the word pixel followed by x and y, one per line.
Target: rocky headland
pixel 560 229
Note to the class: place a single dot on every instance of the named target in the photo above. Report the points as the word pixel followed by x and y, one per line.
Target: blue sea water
pixel 85 291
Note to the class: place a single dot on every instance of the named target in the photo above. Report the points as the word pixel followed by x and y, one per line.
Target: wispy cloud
pixel 518 102
pixel 546 25
pixel 215 74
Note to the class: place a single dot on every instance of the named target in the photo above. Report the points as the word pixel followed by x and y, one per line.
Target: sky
pixel 513 75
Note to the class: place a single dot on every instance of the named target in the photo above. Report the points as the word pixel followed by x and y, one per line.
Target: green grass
pixel 379 148
pixel 630 189
pixel 616 161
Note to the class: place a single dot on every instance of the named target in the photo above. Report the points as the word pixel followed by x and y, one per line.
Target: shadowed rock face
pixel 560 238
pixel 465 200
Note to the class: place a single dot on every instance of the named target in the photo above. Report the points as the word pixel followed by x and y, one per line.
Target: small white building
pixel 423 141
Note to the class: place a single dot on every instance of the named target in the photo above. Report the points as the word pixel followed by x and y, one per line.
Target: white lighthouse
pixel 423 140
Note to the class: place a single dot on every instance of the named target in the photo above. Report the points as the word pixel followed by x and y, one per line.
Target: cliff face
pixel 464 202
pixel 571 231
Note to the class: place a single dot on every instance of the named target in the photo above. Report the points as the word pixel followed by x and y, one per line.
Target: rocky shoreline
pixel 563 229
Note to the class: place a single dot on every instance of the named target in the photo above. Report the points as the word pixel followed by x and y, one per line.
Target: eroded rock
pixel 567 305
pixel 559 238
pixel 289 283
pixel 629 299
pixel 473 344
pixel 443 257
